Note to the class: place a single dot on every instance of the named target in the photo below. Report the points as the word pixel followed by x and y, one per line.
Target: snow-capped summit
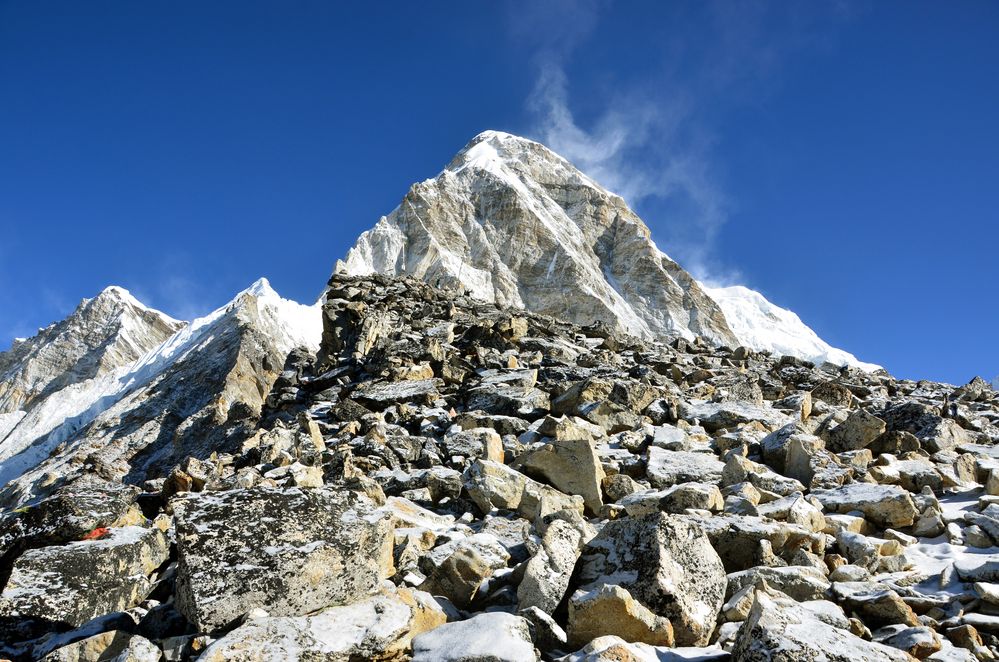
pixel 516 224
pixel 84 381
pixel 102 334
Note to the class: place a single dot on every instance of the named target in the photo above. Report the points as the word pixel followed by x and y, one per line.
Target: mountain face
pixel 118 389
pixel 41 377
pixel 515 224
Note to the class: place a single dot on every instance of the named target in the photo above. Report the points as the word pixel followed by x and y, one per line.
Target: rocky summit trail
pixel 412 469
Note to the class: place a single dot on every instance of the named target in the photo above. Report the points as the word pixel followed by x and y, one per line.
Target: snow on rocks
pixel 555 488
pixel 291 551
pixel 547 574
pixel 886 505
pixel 667 564
pixel 379 627
pixel 74 583
pixel 487 637
pixel 776 630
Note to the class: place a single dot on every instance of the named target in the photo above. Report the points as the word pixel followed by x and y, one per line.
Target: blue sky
pixel 842 158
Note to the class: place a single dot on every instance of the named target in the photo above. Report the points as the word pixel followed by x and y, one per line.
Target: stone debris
pixel 449 480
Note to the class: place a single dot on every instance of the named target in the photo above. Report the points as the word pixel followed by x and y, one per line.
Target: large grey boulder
pixel 381 627
pixel 885 505
pixel 77 582
pixel 67 515
pixel 546 577
pixel 290 551
pixel 668 468
pixel 778 630
pixel 729 414
pixel 668 564
pixel 858 431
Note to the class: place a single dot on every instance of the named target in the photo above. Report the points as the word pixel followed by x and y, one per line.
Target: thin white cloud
pixel 650 141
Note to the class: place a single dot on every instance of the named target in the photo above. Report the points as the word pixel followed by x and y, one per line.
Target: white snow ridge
pixel 762 325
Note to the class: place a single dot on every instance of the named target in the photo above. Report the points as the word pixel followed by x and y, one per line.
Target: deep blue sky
pixel 842 158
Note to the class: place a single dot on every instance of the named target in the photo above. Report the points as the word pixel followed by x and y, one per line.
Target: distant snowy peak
pixel 517 225
pixel 102 334
pixel 762 325
pixel 74 398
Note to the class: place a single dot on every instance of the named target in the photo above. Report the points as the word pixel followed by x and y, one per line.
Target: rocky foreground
pixel 446 480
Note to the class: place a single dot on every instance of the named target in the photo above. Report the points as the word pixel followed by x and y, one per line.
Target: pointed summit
pixel 515 223
pixel 102 334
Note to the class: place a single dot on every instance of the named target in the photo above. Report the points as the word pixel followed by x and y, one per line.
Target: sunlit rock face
pixel 518 225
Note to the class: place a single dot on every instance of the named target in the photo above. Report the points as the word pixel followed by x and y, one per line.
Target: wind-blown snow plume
pixel 650 140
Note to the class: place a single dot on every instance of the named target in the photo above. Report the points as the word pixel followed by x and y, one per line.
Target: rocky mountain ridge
pixel 222 366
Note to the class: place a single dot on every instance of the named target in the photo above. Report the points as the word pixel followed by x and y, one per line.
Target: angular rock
pixel 483 443
pixel 493 485
pixel 858 431
pixel 547 575
pixel 487 637
pixel 717 415
pixel 784 633
pixel 73 583
pixel 381 627
pixel 67 515
pixel 668 468
pixel 665 562
pixel 319 548
pixel 802 583
pixel 571 465
pixel 885 505
pixel 611 610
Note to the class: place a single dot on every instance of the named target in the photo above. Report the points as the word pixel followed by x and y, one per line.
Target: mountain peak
pixel 515 224
pixel 261 288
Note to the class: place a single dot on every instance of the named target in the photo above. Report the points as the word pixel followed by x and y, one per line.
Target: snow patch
pixel 761 325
